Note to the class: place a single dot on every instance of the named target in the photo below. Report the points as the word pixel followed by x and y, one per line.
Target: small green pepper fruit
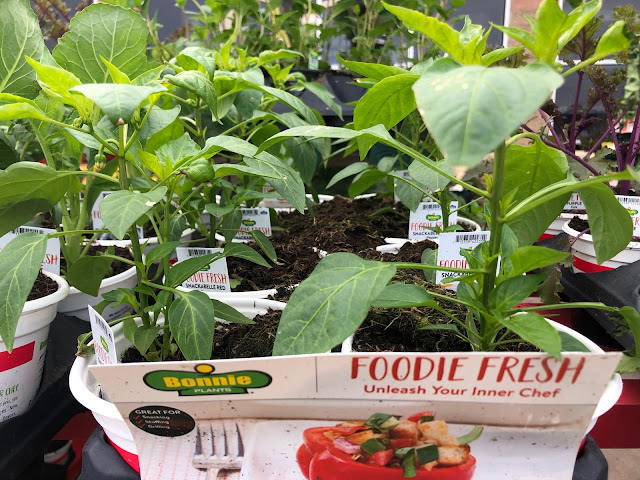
pixel 100 161
pixel 200 171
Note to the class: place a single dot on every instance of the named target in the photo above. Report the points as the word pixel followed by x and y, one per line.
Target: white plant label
pixel 103 342
pixel 254 219
pixel 97 223
pixel 214 277
pixel 574 203
pixel 632 204
pixel 273 202
pixel 450 253
pixel 51 261
pixel 429 215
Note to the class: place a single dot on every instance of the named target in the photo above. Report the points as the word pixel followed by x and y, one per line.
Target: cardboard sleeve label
pixel 103 342
pixel 51 261
pixel 429 215
pixel 214 277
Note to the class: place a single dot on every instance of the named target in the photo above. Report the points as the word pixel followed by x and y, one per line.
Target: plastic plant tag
pixel 313 60
pixel 51 261
pixel 97 223
pixel 274 202
pixel 214 277
pixel 254 219
pixel 426 216
pixel 632 204
pixel 451 246
pixel 103 342
pixel 574 203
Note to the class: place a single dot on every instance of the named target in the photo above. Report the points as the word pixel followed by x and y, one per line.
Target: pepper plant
pixel 119 104
pixel 469 110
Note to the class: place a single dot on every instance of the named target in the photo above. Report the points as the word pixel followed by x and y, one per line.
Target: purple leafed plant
pixel 565 129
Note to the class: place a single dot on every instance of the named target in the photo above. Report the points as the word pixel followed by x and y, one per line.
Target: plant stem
pixel 497 222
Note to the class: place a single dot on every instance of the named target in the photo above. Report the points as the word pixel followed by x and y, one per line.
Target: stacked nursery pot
pixel 87 391
pixel 585 256
pixel 21 370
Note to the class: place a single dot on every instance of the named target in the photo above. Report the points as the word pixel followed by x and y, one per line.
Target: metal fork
pixel 221 456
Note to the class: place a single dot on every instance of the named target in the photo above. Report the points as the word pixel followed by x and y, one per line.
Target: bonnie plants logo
pixel 104 344
pixel 248 223
pixel 203 381
pixel 632 211
pixel 432 217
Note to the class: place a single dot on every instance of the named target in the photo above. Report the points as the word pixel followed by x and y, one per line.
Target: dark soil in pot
pixel 117 266
pixel 236 340
pixel 346 225
pixel 247 340
pixel 295 262
pixel 42 287
pixel 581 224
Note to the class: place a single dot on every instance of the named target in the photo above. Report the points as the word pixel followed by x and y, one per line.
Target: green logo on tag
pixel 632 211
pixel 433 217
pixel 468 249
pixel 249 223
pixel 103 342
pixel 204 382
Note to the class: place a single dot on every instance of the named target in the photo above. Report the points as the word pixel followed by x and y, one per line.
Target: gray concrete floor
pixel 624 463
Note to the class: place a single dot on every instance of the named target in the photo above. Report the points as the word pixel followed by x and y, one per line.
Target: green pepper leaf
pixel 453 103
pixel 533 328
pixel 610 224
pixel 179 272
pixel 87 272
pixel 117 34
pixel 308 321
pixel 192 323
pixel 121 209
pixel 117 100
pixel 20 262
pixel 240 250
pixel 400 295
pixel 26 189
pixel 513 291
pixel 20 37
pixel 228 313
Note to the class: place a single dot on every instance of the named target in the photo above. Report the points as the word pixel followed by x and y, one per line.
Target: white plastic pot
pixel 76 303
pixel 87 391
pixel 556 226
pixel 461 221
pixel 584 254
pixel 21 371
pixel 609 397
pixel 148 243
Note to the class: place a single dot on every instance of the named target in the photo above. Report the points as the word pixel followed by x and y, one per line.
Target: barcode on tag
pixel 51 260
pixel 214 277
pixel 451 250
pixel 198 252
pixel 472 237
pixel 629 200
pixel 250 211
